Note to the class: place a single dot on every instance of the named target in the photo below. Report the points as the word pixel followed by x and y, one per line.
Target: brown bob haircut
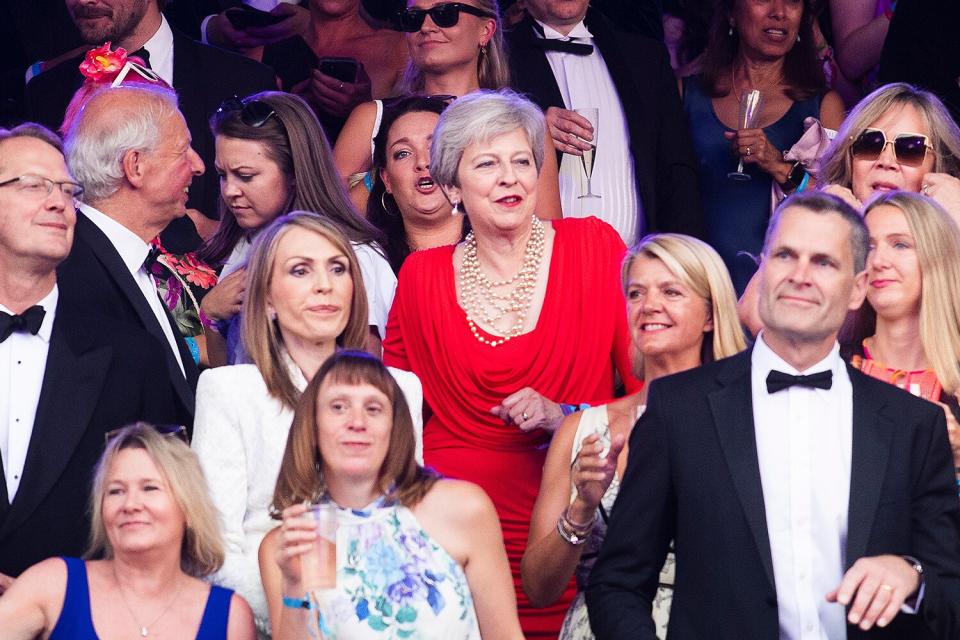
pixel 301 472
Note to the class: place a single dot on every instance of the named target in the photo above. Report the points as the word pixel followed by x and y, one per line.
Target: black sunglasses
pixel 253 113
pixel 910 148
pixel 444 15
pixel 177 431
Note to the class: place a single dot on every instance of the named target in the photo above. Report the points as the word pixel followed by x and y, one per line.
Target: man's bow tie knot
pixel 28 321
pixel 778 380
pixel 567 45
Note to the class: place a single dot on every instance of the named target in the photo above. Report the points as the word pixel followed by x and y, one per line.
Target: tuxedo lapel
pixel 872 437
pixel 72 383
pixel 107 255
pixel 732 408
pixel 538 79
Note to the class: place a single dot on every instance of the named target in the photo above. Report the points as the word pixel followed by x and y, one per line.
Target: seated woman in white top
pixel 305 298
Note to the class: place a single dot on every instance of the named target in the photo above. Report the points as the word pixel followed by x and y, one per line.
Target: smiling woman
pixel 304 300
pixel 156 530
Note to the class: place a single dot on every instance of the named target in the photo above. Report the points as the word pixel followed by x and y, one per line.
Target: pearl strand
pixel 482 302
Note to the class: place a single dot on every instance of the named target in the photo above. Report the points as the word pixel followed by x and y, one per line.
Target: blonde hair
pixel 700 268
pixel 301 472
pixel 493 70
pixel 201 551
pixel 837 164
pixel 261 335
pixel 937 241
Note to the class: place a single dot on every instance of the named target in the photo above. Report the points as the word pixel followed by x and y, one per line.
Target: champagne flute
pixel 747 118
pixel 587 158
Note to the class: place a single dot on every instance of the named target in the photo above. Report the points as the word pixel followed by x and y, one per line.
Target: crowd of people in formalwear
pixel 583 320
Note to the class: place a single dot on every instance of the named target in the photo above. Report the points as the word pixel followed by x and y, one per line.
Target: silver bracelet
pixel 575 535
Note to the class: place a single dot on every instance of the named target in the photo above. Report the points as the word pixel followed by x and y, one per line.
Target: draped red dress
pixel 568 357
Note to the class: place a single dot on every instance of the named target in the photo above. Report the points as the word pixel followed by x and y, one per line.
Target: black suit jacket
pixel 94 277
pixel 693 476
pixel 204 77
pixel 663 157
pixel 98 376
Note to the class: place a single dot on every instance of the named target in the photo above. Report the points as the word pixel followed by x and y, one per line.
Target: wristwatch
pixel 794 178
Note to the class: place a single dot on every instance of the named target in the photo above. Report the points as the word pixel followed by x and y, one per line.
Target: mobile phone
pixel 343 69
pixel 244 16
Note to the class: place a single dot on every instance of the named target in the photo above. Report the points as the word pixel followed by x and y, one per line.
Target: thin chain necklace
pixel 145 628
pixel 478 292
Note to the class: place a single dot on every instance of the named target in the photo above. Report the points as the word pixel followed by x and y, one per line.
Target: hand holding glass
pixel 748 117
pixel 319 564
pixel 592 114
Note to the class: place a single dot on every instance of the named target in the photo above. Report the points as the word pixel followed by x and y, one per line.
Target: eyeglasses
pixel 910 148
pixel 140 70
pixel 34 185
pixel 444 15
pixel 253 113
pixel 177 431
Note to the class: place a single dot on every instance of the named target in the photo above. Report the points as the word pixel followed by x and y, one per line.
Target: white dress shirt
pixel 23 360
pixel 804 443
pixel 584 81
pixel 133 251
pixel 160 48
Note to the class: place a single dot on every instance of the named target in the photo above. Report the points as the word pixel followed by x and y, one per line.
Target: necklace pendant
pixel 144 632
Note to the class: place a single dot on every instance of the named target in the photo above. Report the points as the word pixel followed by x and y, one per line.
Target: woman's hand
pixel 333 96
pixel 945 189
pixel 844 194
pixel 225 299
pixel 297 534
pixel 753 147
pixel 529 410
pixel 592 475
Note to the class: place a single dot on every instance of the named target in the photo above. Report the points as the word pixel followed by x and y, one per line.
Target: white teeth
pixel 655 327
pixel 425 183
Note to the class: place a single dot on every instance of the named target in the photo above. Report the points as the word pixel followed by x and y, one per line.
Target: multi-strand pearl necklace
pixel 483 303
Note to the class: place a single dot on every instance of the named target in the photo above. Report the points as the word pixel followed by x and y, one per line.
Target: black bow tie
pixel 30 320
pixel 144 54
pixel 565 46
pixel 778 380
pixel 152 258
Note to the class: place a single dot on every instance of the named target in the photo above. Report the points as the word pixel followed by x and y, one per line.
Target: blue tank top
pixel 76 622
pixel 736 212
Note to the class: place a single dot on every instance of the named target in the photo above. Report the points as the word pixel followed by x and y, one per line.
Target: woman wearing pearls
pixel 521 316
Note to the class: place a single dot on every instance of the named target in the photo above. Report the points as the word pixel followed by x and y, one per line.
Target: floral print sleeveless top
pixel 394 581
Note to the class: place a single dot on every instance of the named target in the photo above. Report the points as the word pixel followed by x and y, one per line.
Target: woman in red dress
pixel 511 328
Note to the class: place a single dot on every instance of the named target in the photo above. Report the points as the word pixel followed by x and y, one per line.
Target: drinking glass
pixel 747 118
pixel 592 114
pixel 319 564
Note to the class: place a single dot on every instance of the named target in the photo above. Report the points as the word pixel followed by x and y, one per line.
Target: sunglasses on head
pixel 910 148
pixel 253 113
pixel 444 15
pixel 177 431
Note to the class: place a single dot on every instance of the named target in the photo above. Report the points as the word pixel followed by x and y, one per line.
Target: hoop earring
pixel 383 203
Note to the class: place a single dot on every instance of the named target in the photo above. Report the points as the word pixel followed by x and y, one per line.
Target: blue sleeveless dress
pixel 76 622
pixel 736 213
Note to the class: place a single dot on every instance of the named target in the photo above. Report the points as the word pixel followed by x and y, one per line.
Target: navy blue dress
pixel 736 213
pixel 76 622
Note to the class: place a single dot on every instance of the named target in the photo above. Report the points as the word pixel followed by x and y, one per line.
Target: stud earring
pixel 730 32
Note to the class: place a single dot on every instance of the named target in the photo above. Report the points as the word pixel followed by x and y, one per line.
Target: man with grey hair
pixel 130 148
pixel 807 499
pixel 65 378
pixel 203 77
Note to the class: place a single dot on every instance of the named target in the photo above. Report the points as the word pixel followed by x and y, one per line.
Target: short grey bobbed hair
pixel 482 116
pixel 114 121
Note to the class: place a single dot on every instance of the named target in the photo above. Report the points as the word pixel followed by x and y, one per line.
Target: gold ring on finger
pixel 886 587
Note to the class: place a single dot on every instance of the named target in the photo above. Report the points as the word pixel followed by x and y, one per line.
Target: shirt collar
pixel 160 48
pixel 131 247
pixel 579 31
pixel 764 359
pixel 49 304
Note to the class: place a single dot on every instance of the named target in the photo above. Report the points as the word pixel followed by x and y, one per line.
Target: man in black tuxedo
pixel 203 77
pixel 806 499
pixel 565 56
pixel 130 149
pixel 66 376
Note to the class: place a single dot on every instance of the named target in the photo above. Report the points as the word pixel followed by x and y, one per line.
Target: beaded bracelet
pixel 575 534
